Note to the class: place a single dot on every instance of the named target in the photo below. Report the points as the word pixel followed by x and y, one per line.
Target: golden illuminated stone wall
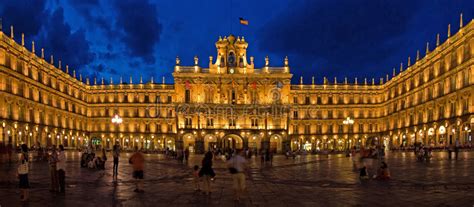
pixel 231 103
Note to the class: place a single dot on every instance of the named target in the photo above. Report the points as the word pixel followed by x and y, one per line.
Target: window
pixel 453 109
pixel 254 122
pixel 319 129
pixel 361 128
pixel 340 130
pixel 295 99
pixel 188 122
pixel 170 99
pixel 170 128
pixel 232 122
pixel 329 114
pixel 210 122
pixel 466 106
pixel 233 97
pixel 158 127
pixel 158 99
pixel 170 113
pixel 187 98
pixel 318 100
pixel 295 114
pixel 307 129
pixel 306 101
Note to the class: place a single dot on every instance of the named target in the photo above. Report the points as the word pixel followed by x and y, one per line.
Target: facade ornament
pixel 386 78
pixel 22 39
pixel 87 81
pixel 251 60
pixel 312 80
pixel 11 32
pixel 401 67
pixel 427 48
pixel 325 81
pixel 266 61
pixel 335 80
pixel 95 80
pixel 196 60
pixel 177 60
pixel 355 81
pixel 74 73
pixel 111 81
pixel 131 80
pixel 80 77
pixel 141 80
pixel 449 30
pixel 286 60
pixel 365 81
pixel 408 62
pixel 121 80
pixel 33 46
pixel 373 81
pixel 301 80
pixel 42 53
pixel 417 55
pixel 210 60
pixel 345 80
pixel 460 21
pixel 151 81
pixel 163 80
pixel 102 81
pixel 52 60
pixel 437 40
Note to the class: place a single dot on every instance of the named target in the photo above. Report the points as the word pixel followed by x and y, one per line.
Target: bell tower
pixel 231 56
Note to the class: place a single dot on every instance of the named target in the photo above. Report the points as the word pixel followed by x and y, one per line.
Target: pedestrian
pixel 456 148
pixel 196 178
pixel 116 155
pixel 23 171
pixel 363 174
pixel 9 152
pixel 450 150
pixel 104 158
pixel 383 172
pixel 237 166
pixel 137 161
pixel 61 169
pixel 53 159
pixel 207 172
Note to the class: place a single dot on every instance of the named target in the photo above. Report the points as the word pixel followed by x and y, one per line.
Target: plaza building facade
pixel 232 104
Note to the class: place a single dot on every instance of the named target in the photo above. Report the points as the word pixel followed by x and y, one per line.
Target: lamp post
pixel 349 122
pixel 117 120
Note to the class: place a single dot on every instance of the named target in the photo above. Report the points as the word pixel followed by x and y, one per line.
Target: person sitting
pixel 363 174
pixel 383 173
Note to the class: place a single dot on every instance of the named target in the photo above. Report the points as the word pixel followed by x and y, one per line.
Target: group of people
pixel 363 162
pixel 237 166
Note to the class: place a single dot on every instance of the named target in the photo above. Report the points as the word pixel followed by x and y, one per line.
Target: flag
pixel 243 21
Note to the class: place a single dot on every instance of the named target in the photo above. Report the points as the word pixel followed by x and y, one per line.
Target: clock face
pixel 231 71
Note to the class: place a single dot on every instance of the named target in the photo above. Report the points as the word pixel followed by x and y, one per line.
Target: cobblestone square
pixel 308 180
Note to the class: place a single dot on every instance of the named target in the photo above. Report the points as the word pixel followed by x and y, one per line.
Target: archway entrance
pixel 275 143
pixel 232 141
pixel 189 142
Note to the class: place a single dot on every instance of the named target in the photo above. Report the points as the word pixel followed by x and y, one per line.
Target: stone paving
pixel 310 180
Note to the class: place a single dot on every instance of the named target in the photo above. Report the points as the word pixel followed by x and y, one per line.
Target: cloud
pixel 141 30
pixel 71 47
pixel 344 34
pixel 26 16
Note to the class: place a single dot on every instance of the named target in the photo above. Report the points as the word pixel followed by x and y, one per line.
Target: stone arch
pixel 232 141
pixel 254 142
pixel 210 142
pixel 189 141
pixel 276 143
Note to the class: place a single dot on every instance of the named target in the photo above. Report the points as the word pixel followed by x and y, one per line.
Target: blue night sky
pixel 353 38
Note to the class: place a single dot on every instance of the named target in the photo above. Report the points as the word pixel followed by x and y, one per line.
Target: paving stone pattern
pixel 310 180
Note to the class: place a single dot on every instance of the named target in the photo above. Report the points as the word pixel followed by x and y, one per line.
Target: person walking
pixel 137 161
pixel 456 149
pixel 61 169
pixel 23 171
pixel 207 172
pixel 116 155
pixel 237 166
pixel 53 160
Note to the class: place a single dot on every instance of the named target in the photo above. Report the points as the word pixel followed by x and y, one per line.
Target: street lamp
pixel 348 121
pixel 117 120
